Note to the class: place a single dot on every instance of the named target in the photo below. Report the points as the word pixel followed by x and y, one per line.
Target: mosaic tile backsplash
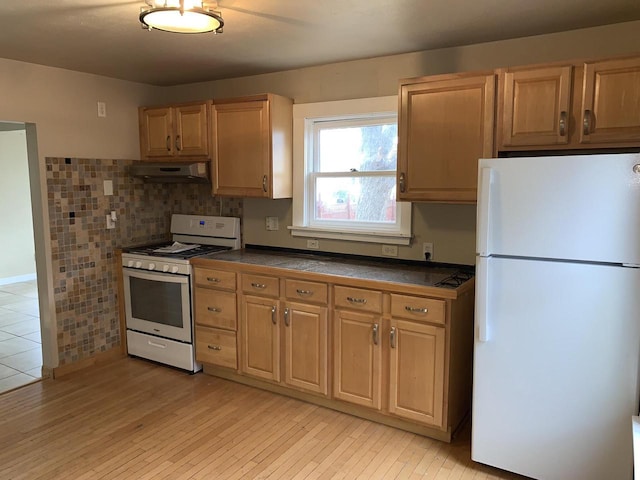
pixel 83 250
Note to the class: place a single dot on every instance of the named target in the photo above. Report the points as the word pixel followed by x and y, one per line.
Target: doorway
pixel 22 234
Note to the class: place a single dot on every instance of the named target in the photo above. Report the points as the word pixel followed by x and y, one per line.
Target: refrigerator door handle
pixel 484 211
pixel 482 299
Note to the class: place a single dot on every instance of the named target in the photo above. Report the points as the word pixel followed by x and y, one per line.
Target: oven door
pixel 158 303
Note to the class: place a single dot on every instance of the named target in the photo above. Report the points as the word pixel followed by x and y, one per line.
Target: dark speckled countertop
pixel 421 274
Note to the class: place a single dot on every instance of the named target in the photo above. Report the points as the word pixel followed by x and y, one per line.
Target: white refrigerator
pixel 557 320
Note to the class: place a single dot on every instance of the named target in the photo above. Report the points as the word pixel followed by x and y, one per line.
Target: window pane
pixel 365 148
pixel 363 199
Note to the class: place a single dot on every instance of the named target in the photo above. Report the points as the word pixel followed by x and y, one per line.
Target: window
pixel 345 156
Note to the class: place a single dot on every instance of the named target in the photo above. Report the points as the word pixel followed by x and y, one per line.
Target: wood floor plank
pixel 133 419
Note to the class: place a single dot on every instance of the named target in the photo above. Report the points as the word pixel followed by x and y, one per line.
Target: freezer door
pixel 556 380
pixel 577 207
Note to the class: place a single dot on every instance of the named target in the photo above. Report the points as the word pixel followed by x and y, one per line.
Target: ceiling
pixel 104 37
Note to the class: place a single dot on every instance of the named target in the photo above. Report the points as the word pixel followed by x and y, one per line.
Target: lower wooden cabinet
pixel 305 347
pixel 357 359
pixel 260 336
pixel 216 347
pixel 416 371
pixel 383 353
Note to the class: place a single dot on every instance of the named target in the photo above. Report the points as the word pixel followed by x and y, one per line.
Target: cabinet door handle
pixel 214 347
pixel 359 301
pixel 264 183
pixel 586 122
pixel 286 317
pixel 213 279
pixel 392 337
pixel 258 285
pixel 416 309
pixel 274 320
pixel 401 182
pixel 168 143
pixel 375 334
pixel 178 143
pixel 304 292
pixel 563 123
pixel 214 309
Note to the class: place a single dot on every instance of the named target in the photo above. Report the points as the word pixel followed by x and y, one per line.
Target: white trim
pixel 371 237
pixel 17 279
pixel 303 117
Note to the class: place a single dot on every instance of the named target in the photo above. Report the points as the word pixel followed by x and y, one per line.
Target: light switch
pixel 272 223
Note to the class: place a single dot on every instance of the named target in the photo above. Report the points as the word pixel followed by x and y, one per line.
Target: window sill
pixel 369 237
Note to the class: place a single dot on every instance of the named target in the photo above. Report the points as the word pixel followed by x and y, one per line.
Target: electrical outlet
pixel 271 223
pixel 427 251
pixel 315 244
pixel 390 250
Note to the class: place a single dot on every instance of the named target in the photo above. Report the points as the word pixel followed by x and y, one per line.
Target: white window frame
pixel 304 117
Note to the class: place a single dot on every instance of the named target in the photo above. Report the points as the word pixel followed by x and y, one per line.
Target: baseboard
pixel 20 278
pixel 98 359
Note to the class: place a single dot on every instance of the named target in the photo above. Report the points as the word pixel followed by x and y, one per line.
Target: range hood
pixel 171 172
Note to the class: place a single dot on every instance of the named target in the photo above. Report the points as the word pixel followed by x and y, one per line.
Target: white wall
pixel 450 227
pixel 17 255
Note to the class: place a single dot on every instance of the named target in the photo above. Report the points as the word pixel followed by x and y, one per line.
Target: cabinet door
pixel 306 347
pixel 156 134
pixel 357 361
pixel 444 128
pixel 416 382
pixel 260 338
pixel 536 106
pixel 191 130
pixel 611 102
pixel 241 149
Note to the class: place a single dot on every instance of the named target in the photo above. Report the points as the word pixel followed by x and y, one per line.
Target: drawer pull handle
pixel 393 337
pixel 375 334
pixel 213 279
pixel 286 317
pixel 214 309
pixel 258 285
pixel 214 347
pixel 304 292
pixel 157 345
pixel 359 301
pixel 416 309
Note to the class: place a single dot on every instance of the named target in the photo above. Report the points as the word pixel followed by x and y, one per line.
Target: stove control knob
pixel 138 264
pixel 174 269
pixel 165 268
pixel 130 264
pixel 151 266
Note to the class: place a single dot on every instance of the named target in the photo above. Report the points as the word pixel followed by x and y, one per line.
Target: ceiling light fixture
pixel 180 16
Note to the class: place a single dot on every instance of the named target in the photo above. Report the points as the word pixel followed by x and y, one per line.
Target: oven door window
pixel 158 304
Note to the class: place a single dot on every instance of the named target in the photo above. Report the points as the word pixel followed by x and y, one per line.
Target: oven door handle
pixel 156 276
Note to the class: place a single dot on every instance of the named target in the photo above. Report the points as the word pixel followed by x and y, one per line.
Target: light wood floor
pixel 136 420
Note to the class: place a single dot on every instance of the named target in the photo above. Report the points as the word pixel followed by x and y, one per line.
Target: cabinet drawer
pixel 206 277
pixel 215 308
pixel 216 347
pixel 309 291
pixel 358 299
pixel 260 285
pixel 418 308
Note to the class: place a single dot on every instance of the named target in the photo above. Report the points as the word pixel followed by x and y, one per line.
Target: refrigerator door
pixel 556 381
pixel 577 207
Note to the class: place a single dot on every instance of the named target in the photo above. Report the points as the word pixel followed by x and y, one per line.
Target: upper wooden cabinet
pixel 570 106
pixel 174 131
pixel 445 125
pixel 252 143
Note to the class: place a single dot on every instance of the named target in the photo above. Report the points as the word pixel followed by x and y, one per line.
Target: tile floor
pixel 20 348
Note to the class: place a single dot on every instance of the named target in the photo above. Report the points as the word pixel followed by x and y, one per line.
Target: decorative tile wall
pixel 83 250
